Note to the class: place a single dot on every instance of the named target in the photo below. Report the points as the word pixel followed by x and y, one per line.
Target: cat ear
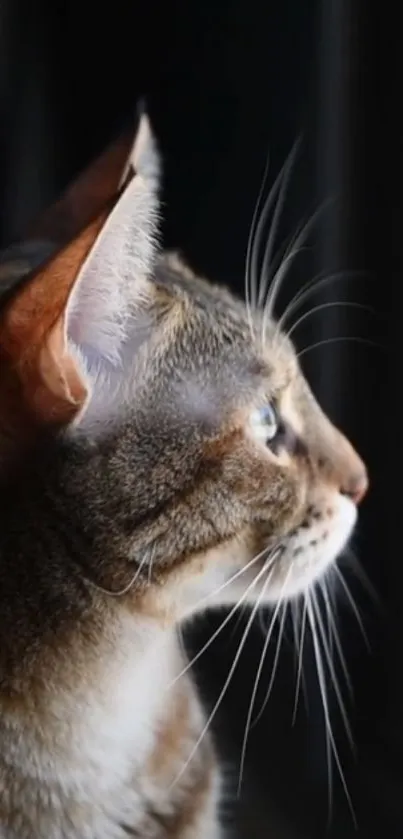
pixel 71 320
pixel 114 279
pixel 144 157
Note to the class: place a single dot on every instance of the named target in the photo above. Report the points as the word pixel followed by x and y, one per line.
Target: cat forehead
pixel 221 334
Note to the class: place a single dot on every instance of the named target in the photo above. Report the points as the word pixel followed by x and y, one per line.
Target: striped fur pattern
pixel 160 453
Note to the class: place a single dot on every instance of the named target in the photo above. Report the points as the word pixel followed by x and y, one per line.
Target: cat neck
pixel 110 716
pixel 61 587
pixel 49 507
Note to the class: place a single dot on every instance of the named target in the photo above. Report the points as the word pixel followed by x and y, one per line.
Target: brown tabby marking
pixel 159 454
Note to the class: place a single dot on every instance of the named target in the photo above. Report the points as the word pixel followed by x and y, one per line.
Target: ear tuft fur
pixel 144 159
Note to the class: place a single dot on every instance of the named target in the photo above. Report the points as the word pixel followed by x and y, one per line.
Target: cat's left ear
pixel 72 318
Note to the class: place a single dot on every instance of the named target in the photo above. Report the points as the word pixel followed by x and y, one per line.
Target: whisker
pixel 339 338
pixel 272 554
pixel 282 253
pixel 150 567
pixel 327 715
pixel 293 246
pixel 275 663
pixel 259 673
pixel 222 625
pixel 330 742
pixel 239 620
pixel 270 559
pixel 332 670
pixel 353 605
pixel 251 239
pixel 292 252
pixel 330 608
pixel 364 580
pixel 334 638
pixel 125 590
pixel 268 254
pixel 228 679
pixel 330 738
pixel 262 625
pixel 313 286
pixel 259 233
pixel 300 646
pixel 329 305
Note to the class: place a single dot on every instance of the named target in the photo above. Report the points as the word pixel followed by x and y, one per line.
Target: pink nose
pixel 357 487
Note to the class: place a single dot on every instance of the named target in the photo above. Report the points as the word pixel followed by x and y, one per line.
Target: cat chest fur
pixel 112 752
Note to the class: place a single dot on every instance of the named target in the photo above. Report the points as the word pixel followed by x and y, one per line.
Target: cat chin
pixel 304 557
pixel 312 548
pixel 230 577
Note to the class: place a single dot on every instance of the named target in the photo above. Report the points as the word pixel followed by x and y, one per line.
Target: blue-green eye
pixel 265 423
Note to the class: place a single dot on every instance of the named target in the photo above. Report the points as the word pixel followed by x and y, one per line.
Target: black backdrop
pixel 228 82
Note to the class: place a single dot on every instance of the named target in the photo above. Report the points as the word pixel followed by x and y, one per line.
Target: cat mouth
pixel 309 549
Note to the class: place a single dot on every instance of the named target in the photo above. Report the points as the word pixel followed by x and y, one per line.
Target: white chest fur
pixel 115 720
pixel 85 782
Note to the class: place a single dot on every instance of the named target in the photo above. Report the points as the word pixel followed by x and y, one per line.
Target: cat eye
pixel 265 423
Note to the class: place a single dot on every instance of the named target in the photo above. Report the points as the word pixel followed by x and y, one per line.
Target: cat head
pixel 176 426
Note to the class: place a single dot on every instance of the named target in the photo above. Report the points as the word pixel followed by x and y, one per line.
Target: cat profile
pixel 160 453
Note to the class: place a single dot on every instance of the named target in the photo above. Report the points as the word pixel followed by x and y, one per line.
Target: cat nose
pixel 356 487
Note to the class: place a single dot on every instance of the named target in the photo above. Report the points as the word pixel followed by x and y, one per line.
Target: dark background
pixel 228 82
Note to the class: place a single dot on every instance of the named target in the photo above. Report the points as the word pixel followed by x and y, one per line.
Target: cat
pixel 160 453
